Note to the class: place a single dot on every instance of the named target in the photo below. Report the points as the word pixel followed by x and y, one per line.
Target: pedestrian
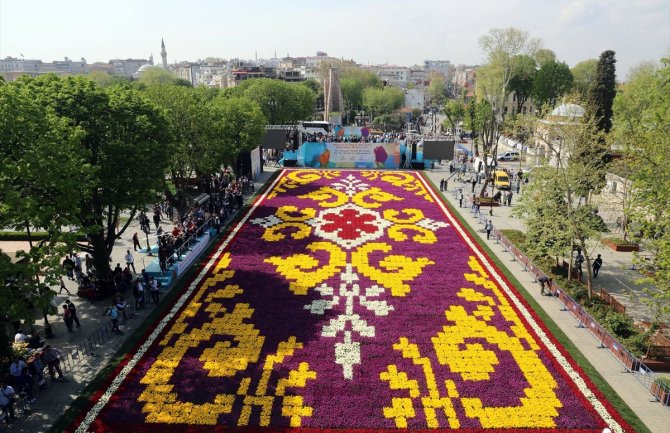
pixel 62 287
pixel 578 261
pixel 67 317
pixel 52 357
pixel 136 242
pixel 509 198
pixel 73 311
pixel 88 261
pixel 121 306
pixel 68 266
pixel 113 314
pixel 474 183
pixel 544 280
pixel 7 399
pixel 489 227
pixel 442 184
pixel 597 264
pixel 460 199
pixel 518 186
pixel 130 261
pixel 153 289
pixel 77 262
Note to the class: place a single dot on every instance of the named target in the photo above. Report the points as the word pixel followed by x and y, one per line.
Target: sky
pixel 368 31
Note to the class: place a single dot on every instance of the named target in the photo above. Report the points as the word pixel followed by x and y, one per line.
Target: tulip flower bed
pixel 352 301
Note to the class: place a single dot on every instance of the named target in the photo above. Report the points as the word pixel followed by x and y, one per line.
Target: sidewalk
pixel 55 400
pixel 615 276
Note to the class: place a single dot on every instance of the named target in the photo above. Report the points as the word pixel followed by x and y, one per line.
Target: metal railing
pixel 630 362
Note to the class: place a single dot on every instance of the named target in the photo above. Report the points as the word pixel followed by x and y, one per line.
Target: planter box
pixel 662 394
pixel 626 248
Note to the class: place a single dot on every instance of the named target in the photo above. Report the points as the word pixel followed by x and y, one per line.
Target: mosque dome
pixel 568 110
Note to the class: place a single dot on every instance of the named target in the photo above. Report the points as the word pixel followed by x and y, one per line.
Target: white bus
pixel 316 127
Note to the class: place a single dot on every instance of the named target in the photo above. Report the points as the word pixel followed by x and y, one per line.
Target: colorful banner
pixel 349 155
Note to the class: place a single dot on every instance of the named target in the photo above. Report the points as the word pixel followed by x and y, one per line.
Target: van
pixel 501 180
pixel 512 155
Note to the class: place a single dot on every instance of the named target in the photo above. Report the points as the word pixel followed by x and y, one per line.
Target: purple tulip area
pixel 348 300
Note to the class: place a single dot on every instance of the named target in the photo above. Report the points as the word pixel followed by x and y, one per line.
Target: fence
pixel 631 363
pixel 94 341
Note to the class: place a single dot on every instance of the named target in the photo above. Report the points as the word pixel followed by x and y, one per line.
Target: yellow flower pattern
pixel 456 347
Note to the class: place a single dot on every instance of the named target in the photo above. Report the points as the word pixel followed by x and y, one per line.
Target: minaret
pixel 164 54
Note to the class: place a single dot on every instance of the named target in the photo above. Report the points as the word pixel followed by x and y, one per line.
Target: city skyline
pixel 369 32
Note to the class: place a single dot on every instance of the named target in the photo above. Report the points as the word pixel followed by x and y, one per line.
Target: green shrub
pixel 621 325
pixel 517 237
pixel 663 381
pixel 637 344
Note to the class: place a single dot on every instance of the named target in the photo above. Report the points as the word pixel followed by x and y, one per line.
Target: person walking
pixel 153 289
pixel 68 266
pixel 67 317
pixel 460 199
pixel 442 184
pixel 130 261
pixel 136 242
pixel 489 227
pixel 63 287
pixel 597 264
pixel 113 314
pixel 52 357
pixel 73 311
pixel 509 198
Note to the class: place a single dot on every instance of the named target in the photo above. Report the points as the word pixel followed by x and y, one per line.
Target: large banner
pixel 349 155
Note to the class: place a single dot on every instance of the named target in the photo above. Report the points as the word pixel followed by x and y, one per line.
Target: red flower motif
pixel 349 224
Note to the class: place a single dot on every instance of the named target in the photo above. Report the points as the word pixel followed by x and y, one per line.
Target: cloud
pixel 579 12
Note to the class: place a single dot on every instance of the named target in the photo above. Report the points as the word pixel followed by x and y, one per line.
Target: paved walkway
pixel 54 401
pixel 615 276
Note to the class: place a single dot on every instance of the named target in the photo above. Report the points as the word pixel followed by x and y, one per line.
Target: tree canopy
pixel 601 94
pixel 383 100
pixel 584 74
pixel 551 82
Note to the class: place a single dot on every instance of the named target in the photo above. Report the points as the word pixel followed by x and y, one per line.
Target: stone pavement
pixel 53 401
pixel 615 276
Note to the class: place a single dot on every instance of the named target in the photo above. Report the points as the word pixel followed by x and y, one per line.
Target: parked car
pixel 512 155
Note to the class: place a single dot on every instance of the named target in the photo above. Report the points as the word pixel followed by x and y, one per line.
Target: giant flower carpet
pixel 352 301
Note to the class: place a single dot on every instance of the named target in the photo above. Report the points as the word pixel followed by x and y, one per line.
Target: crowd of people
pixel 26 377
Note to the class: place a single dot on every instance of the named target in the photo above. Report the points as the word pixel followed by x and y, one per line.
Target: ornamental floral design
pixel 348 300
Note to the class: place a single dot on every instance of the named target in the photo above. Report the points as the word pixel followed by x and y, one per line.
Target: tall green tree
pixel 551 82
pixel 120 143
pixel 437 89
pixel 196 150
pixel 500 47
pixel 38 189
pixel 544 56
pixel 454 110
pixel 584 74
pixel 281 103
pixel 241 125
pixel 641 130
pixel 383 100
pixel 602 91
pixel 521 82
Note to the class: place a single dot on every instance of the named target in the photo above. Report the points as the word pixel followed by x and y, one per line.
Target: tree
pixel 383 100
pixel 455 112
pixel 196 148
pixel 241 125
pixel 551 82
pixel 123 142
pixel 521 82
pixel 156 75
pixel 557 187
pixel 38 189
pixel 584 74
pixel 602 91
pixel 437 89
pixel 500 47
pixel 641 130
pixel 486 125
pixel 281 103
pixel 544 56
